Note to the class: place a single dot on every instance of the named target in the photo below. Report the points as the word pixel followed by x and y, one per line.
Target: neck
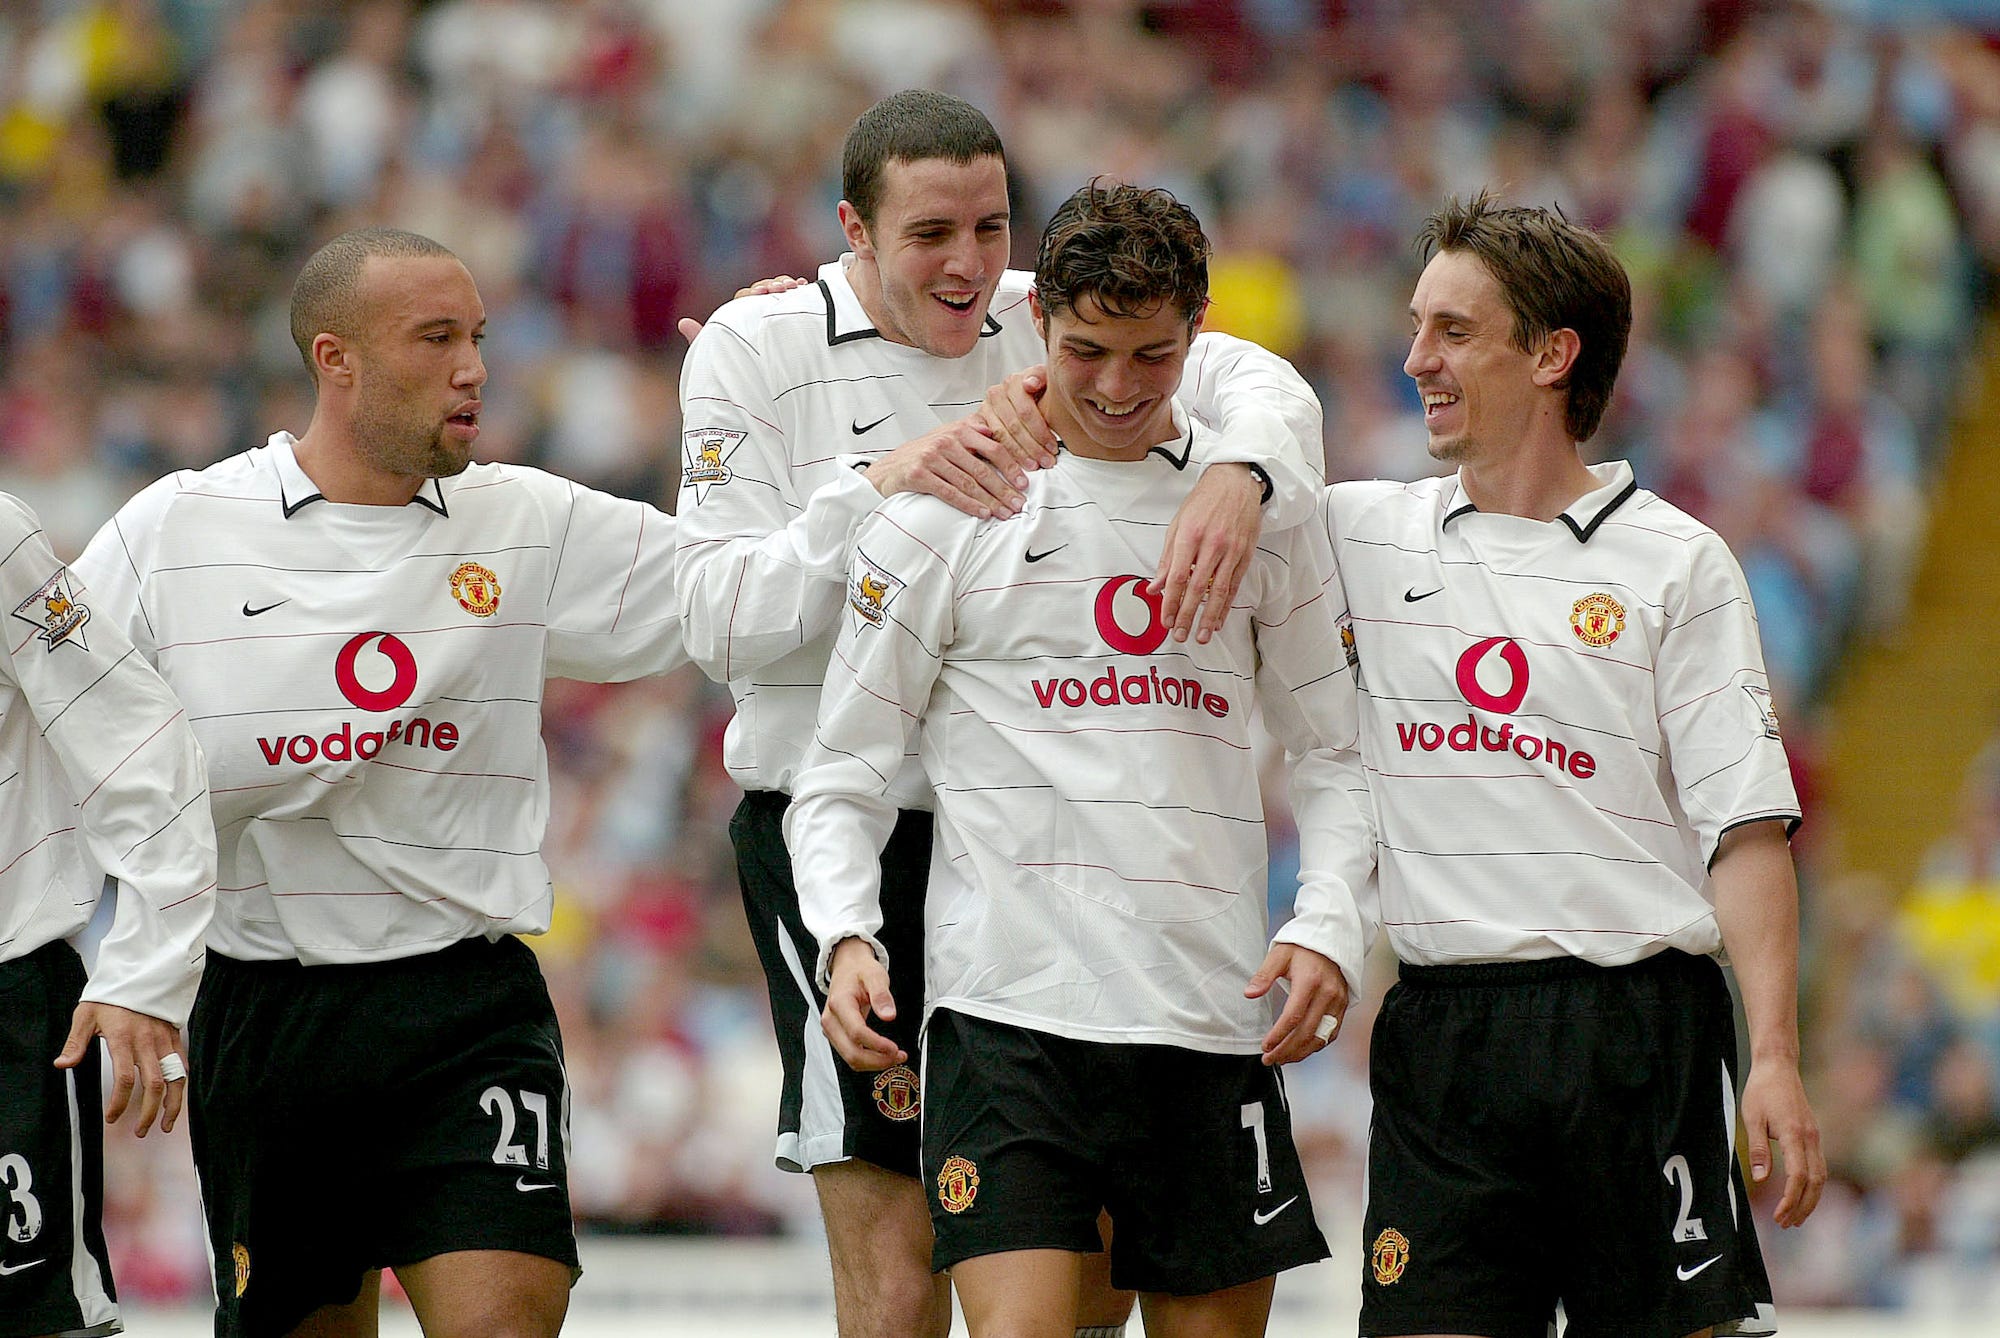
pixel 866 281
pixel 330 458
pixel 1537 484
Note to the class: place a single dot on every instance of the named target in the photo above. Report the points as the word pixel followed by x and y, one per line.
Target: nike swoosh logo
pixel 521 1183
pixel 1033 556
pixel 249 612
pixel 1261 1218
pixel 6 1269
pixel 1411 596
pixel 1685 1273
pixel 860 430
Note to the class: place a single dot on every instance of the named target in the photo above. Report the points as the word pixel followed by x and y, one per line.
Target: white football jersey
pixel 1560 719
pixel 782 395
pixel 99 773
pixel 1099 867
pixel 367 684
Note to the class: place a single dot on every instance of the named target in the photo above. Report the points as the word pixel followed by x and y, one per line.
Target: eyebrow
pixel 1456 317
pixel 444 323
pixel 1001 217
pixel 1079 341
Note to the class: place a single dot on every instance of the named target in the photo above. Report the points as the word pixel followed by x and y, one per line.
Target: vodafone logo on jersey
pixel 1128 618
pixel 376 672
pixel 1492 675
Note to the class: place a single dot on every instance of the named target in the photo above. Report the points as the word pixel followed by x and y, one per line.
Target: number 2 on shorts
pixel 1677 1172
pixel 506 1152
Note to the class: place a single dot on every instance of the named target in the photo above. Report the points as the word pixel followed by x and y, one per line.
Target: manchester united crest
pixel 1389 1256
pixel 476 589
pixel 896 1093
pixel 54 613
pixel 1597 619
pixel 240 1254
pixel 958 1184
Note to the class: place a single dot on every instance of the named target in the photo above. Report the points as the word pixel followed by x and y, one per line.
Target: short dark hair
pixel 324 299
pixel 1130 248
pixel 1554 276
pixel 911 126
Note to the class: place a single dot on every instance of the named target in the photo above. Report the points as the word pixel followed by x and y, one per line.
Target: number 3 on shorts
pixel 506 1152
pixel 24 1218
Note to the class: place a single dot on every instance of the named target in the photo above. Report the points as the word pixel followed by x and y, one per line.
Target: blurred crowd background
pixel 1807 193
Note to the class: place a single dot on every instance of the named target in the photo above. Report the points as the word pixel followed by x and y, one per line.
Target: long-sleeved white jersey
pixel 1099 869
pixel 99 773
pixel 367 684
pixel 1560 719
pixel 782 395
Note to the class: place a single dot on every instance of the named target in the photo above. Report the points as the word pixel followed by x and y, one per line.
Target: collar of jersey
pixel 1176 452
pixel 1615 487
pixel 296 490
pixel 846 321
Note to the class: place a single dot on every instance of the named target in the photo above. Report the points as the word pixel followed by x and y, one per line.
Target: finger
pixel 124 1077
pixel 1196 592
pixel 1026 397
pixel 689 328
pixel 1170 577
pixel 1760 1152
pixel 171 1114
pixel 153 1091
pixel 1003 454
pixel 1267 974
pixel 856 1042
pixel 81 1029
pixel 987 478
pixel 1221 595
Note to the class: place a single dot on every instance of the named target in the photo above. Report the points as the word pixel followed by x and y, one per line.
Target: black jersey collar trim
pixel 1582 529
pixel 847 320
pixel 297 491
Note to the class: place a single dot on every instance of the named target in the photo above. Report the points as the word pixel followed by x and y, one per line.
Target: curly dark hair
pixel 1129 248
pixel 1553 276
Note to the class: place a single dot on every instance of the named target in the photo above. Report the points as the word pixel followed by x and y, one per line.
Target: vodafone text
pixel 343 743
pixel 1111 689
pixel 1469 736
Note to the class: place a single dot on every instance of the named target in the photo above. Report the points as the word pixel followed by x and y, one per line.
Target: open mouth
pixel 1110 412
pixel 1436 402
pixel 959 303
pixel 466 420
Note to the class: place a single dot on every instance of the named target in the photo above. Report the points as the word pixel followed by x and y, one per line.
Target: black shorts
pixel 54 1276
pixel 828 1112
pixel 1028 1136
pixel 1558 1132
pixel 348 1118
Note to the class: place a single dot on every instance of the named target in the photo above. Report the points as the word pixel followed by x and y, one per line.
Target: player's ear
pixel 1557 357
pixel 1041 318
pixel 333 360
pixel 1194 321
pixel 855 229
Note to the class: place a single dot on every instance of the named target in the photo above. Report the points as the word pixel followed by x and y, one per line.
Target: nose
pixel 1116 380
pixel 963 260
pixel 1422 357
pixel 472 373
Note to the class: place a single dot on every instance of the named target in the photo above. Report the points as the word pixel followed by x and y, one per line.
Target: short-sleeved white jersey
pixel 99 773
pixel 1099 866
pixel 1560 719
pixel 783 395
pixel 367 684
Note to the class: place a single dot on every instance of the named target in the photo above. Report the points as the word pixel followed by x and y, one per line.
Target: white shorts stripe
pixel 822 1113
pixel 86 1277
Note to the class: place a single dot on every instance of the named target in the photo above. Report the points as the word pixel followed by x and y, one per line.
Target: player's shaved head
pixel 326 298
pixel 909 127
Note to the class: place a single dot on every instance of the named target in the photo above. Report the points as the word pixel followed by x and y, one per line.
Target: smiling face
pixel 418 372
pixel 1112 378
pixel 927 264
pixel 1480 391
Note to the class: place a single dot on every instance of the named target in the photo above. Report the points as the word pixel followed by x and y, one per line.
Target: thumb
pixel 80 1032
pixel 1267 975
pixel 881 1001
pixel 1760 1152
pixel 689 328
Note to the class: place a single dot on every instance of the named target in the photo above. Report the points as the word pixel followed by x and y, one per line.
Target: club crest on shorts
pixel 958 1184
pixel 476 589
pixel 240 1254
pixel 54 613
pixel 1389 1256
pixel 897 1093
pixel 1597 619
pixel 870 587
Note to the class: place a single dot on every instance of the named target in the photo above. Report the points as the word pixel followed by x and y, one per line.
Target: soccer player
pixel 1098 1035
pixel 99 774
pixel 1583 799
pixel 802 411
pixel 360 621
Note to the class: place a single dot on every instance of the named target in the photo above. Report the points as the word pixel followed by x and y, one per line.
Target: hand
pixel 1318 991
pixel 1208 550
pixel 135 1043
pixel 1774 1106
pixel 1012 412
pixel 782 283
pixel 860 985
pixel 959 463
